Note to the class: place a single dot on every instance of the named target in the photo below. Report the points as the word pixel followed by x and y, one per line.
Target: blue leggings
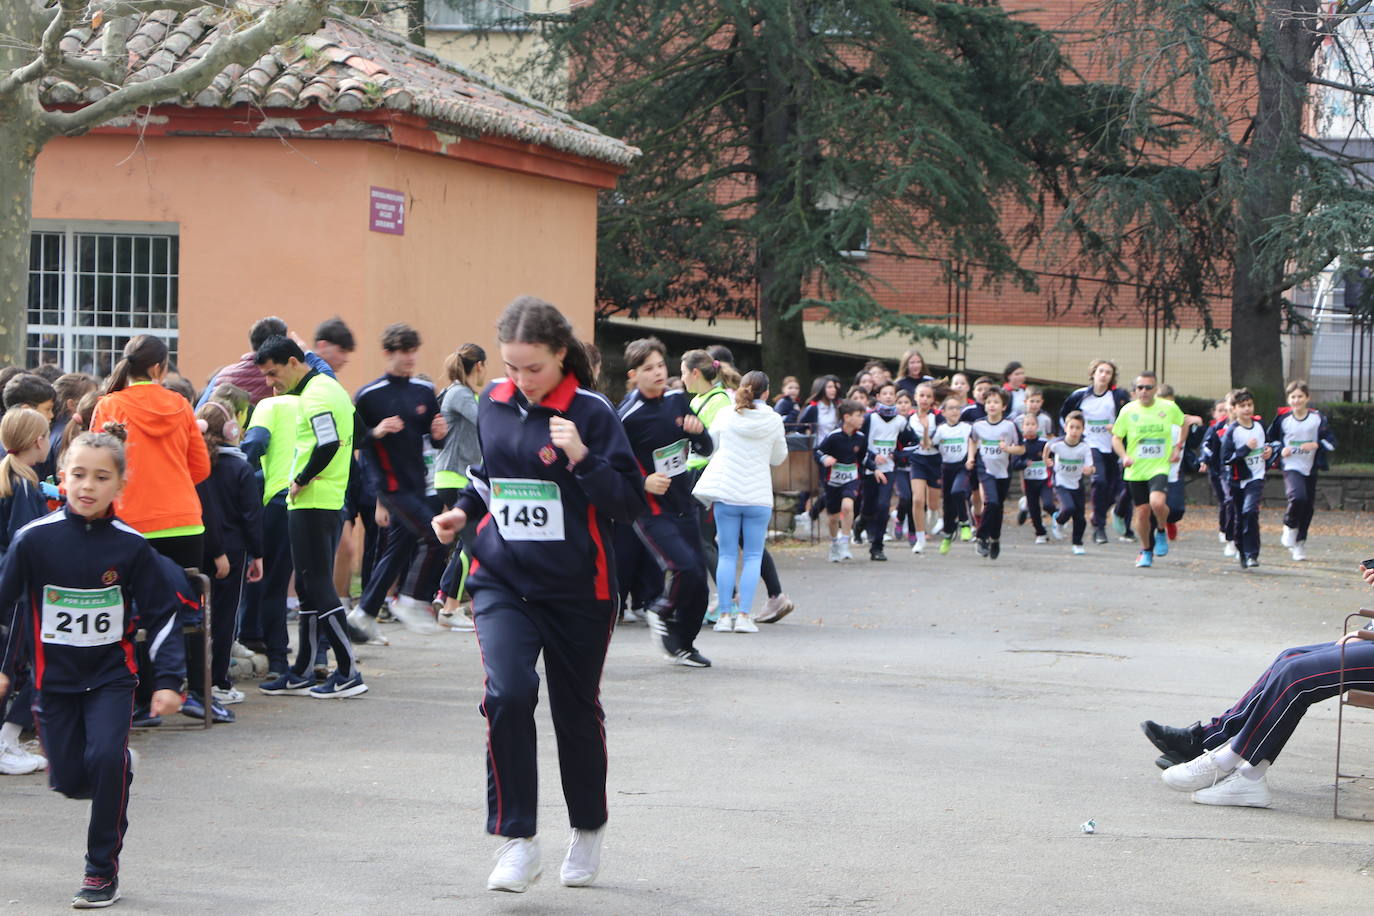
pixel 733 523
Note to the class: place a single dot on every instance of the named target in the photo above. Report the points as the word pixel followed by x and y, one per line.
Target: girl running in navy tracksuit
pixel 80 569
pixel 556 471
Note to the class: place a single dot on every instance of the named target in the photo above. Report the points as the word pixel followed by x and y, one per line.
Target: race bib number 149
pixel 527 510
pixel 82 617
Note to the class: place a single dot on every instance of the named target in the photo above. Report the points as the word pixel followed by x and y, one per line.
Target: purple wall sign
pixel 388 211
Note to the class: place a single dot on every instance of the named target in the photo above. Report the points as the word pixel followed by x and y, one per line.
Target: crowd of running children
pixel 936 457
pixel 279 485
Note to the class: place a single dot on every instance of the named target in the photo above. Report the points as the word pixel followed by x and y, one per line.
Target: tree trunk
pixel 1268 191
pixel 22 135
pixel 415 22
pixel 776 128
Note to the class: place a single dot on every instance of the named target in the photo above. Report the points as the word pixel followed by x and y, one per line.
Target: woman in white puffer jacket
pixel 748 441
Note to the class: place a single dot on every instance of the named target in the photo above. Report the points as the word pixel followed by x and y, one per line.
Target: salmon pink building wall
pixel 282 227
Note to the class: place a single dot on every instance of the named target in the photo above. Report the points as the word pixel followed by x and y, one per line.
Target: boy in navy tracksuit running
pixel 81 571
pixel 887 433
pixel 1245 452
pixel 400 412
pixel 841 455
pixel 1209 462
pixel 663 431
pixel 556 472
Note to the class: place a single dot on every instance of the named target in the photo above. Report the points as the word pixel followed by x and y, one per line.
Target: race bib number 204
pixel 82 617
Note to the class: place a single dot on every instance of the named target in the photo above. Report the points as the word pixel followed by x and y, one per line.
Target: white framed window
pixel 94 285
pixel 851 238
pixel 477 15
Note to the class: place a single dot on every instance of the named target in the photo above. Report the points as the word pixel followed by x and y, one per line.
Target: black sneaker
pixel 1254 562
pixel 96 892
pixel 1179 744
pixel 994 549
pixel 877 555
pixel 1022 516
pixel 144 718
pixel 691 658
pixel 1099 535
pixel 981 545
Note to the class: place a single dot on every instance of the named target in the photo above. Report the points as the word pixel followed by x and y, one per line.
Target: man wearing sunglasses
pixel 1146 439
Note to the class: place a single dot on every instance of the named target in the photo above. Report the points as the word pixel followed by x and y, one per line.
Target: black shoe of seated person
pixel 1179 744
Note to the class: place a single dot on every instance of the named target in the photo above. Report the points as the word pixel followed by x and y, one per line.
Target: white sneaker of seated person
pixel 1198 773
pixel 517 866
pixel 583 861
pixel 1238 789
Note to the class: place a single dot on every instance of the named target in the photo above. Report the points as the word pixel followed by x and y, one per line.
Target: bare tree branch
pixel 114 45
pixel 49 51
pixel 284 22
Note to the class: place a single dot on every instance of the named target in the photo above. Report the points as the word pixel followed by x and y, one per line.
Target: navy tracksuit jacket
pixel 670 530
pixel 543 579
pixel 81 579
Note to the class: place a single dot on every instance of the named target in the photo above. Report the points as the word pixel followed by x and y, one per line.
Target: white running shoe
pixel 227 697
pixel 744 624
pixel 844 549
pixel 726 624
pixel 1041 539
pixel 364 621
pixel 417 616
pixel 835 550
pixel 1221 537
pixel 583 861
pixel 517 866
pixel 1229 550
pixel 1289 536
pixel 801 525
pixel 1199 773
pixel 239 650
pixel 1300 551
pixel 918 545
pixel 1078 550
pixel 1055 531
pixel 1235 789
pixel 15 761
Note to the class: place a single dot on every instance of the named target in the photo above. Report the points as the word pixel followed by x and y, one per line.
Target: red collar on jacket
pixel 559 399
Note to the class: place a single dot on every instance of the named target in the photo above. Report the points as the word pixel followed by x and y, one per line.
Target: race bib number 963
pixel 82 617
pixel 527 510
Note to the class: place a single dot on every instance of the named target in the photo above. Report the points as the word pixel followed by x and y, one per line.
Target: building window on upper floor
pixel 849 233
pixel 477 15
pixel 95 285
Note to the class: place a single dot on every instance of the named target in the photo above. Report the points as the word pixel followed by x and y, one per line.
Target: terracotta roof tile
pixel 348 65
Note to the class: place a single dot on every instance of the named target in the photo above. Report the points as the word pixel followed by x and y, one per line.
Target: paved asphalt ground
pixel 921 736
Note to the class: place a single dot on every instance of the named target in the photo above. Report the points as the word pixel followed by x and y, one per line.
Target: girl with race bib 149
pixel 556 471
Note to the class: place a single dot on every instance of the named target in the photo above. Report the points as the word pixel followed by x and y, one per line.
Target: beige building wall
pixel 273 228
pixel 496 53
pixel 1060 354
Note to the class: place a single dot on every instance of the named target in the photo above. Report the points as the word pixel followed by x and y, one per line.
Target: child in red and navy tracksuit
pixel 556 472
pixel 663 431
pixel 1245 454
pixel 887 434
pixel 90 582
pixel 1209 462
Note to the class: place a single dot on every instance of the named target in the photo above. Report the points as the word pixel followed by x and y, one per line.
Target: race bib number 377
pixel 82 617
pixel 527 510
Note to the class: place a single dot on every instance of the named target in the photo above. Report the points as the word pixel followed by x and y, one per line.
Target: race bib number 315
pixel 527 510
pixel 82 617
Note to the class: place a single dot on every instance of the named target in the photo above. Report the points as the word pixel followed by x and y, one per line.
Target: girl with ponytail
pixel 467 373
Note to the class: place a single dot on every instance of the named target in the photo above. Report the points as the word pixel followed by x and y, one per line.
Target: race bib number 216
pixel 82 617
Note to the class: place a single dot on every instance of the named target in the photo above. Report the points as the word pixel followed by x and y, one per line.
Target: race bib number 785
pixel 82 617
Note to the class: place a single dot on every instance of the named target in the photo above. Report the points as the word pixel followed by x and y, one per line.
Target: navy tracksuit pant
pixel 1245 502
pixel 1038 493
pixel 573 637
pixel 1302 495
pixel 1260 723
pixel 954 480
pixel 409 539
pixel 877 498
pixel 1071 508
pixel 86 740
pixel 674 543
pixel 994 497
pixel 1221 494
pixel 1106 485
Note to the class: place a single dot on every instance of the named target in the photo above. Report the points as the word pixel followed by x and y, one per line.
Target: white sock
pixel 921 537
pixel 1254 771
pixel 1226 759
pixel 9 734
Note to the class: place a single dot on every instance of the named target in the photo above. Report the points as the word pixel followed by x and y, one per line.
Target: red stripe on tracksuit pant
pixel 572 635
pixel 1260 723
